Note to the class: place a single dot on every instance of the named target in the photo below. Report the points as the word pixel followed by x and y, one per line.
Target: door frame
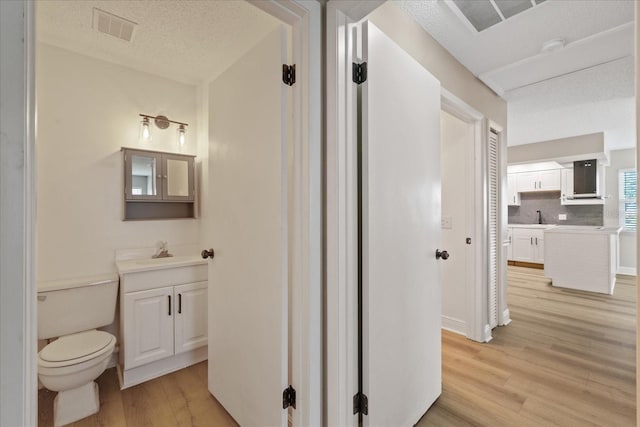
pixel 476 274
pixel 18 302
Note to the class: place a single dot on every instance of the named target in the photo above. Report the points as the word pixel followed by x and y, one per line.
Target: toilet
pixel 71 310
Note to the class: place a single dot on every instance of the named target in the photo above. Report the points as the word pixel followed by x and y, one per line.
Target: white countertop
pixel 583 229
pixel 555 228
pixel 146 264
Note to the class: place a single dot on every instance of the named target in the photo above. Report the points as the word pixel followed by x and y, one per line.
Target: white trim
pixel 475 306
pixel 341 243
pixel 487 333
pixel 456 326
pixel 628 271
pixel 18 389
pixel 506 317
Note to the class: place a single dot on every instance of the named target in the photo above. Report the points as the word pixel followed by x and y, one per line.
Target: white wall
pixel 456 153
pixel 620 159
pixel 86 110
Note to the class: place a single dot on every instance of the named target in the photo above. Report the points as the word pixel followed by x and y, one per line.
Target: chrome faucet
pixel 539 217
pixel 163 252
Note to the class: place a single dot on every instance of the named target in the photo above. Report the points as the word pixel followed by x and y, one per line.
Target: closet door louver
pixel 492 238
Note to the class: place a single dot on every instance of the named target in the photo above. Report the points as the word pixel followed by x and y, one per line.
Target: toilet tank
pixel 74 305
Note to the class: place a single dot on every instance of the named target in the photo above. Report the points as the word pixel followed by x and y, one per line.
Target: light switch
pixel 562 217
pixel 446 222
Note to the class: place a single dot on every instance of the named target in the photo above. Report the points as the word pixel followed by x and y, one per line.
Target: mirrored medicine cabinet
pixel 158 185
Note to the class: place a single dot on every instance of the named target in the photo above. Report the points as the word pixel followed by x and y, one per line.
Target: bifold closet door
pixel 400 234
pixel 247 227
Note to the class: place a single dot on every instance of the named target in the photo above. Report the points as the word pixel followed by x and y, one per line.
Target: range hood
pixel 585 179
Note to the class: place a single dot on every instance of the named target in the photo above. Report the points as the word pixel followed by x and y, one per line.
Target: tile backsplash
pixel 548 203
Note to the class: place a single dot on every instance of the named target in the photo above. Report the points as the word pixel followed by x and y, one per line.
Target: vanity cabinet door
pixel 142 175
pixel 191 316
pixel 148 316
pixel 177 178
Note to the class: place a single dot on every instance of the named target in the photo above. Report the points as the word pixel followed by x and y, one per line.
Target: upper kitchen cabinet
pixel 513 196
pixel 547 180
pixel 158 185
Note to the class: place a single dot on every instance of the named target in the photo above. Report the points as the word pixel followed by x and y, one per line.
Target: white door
pixel 149 315
pixel 248 279
pixel 191 316
pixel 401 232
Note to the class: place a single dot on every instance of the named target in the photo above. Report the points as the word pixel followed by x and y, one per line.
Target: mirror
pixel 143 173
pixel 177 175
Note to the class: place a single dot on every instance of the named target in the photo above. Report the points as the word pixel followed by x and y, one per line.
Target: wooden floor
pixel 567 359
pixel 177 399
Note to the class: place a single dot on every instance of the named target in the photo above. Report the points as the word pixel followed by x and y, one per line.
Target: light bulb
pixel 145 133
pixel 181 132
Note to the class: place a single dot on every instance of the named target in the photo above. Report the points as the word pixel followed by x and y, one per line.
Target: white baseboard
pixel 487 333
pixel 506 317
pixel 629 271
pixel 454 325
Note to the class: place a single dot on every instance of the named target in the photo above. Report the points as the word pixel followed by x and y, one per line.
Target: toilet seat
pixel 74 349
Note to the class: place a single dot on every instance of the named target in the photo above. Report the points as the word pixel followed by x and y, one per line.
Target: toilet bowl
pixel 69 365
pixel 70 310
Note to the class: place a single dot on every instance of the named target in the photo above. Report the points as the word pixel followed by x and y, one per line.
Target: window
pixel 627 187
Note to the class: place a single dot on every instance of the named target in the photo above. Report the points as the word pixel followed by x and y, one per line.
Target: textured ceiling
pixel 189 41
pixel 584 88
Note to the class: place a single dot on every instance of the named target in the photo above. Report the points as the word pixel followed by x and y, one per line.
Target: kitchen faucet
pixel 539 217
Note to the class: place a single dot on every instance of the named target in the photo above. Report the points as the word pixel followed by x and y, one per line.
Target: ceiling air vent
pixel 478 15
pixel 107 23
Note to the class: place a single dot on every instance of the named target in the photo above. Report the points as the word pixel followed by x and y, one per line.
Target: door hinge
pixel 359 73
pixel 289 74
pixel 289 397
pixel 360 404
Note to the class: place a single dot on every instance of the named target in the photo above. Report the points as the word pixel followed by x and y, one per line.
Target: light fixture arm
pixel 163 118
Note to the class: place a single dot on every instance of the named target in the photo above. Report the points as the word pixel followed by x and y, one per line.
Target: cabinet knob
pixel 442 254
pixel 207 253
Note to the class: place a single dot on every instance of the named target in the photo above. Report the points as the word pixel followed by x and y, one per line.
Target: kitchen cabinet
pixel 547 180
pixel 583 257
pixel 528 245
pixel 510 245
pixel 163 317
pixel 513 196
pixel 158 185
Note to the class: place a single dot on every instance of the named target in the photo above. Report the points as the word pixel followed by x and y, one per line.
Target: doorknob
pixel 207 253
pixel 442 254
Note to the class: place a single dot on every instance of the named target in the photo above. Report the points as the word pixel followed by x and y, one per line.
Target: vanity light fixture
pixel 161 122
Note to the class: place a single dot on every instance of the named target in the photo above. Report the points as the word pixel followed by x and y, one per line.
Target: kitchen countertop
pixel 555 228
pixel 146 264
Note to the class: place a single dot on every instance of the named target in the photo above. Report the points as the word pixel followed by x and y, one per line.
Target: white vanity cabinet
pixel 528 245
pixel 163 317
